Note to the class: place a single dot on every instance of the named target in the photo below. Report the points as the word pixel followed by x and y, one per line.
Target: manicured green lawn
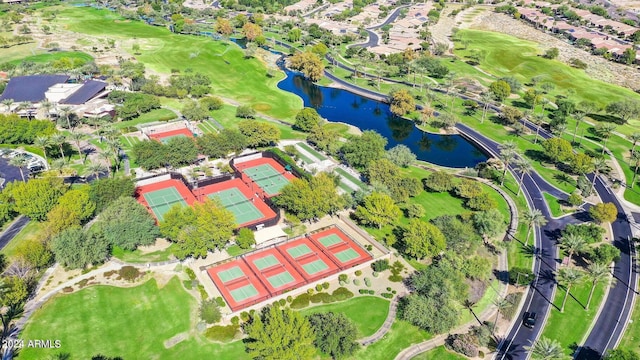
pixel 554 205
pixel 367 312
pixel 226 116
pixel 439 353
pixel 570 327
pixel 490 295
pixel 153 115
pixel 400 336
pixel 507 55
pixel 235 250
pixel 19 52
pixel 33 230
pixel 47 57
pixel 132 323
pixel 163 51
pixel 351 178
pixel 137 256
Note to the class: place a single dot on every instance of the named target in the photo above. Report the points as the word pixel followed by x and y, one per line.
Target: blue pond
pixel 343 106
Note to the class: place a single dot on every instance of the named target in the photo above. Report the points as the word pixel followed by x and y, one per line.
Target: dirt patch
pixel 262 107
pixel 159 245
pixel 176 340
pixel 476 290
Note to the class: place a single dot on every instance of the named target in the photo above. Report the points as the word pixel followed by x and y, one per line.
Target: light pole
pixel 518 278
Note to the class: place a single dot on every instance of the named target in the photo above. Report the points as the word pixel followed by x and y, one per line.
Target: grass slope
pixel 400 336
pixel 43 58
pixel 367 312
pixel 163 51
pixel 439 353
pixel 132 323
pixel 33 230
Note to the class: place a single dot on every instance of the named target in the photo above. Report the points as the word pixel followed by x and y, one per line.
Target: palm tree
pixel 42 142
pixel 568 277
pixel 599 165
pixel 635 157
pixel 597 273
pixel 533 218
pixel 58 164
pixel 546 349
pixel 537 119
pixel 500 304
pixel 507 153
pixel 19 161
pixel 524 168
pixel 96 168
pixel 605 132
pixel 107 155
pixel 46 106
pixel 58 140
pixel 573 244
pixel 485 97
pixel 7 103
pixel 579 116
pixel 634 138
pixel 66 111
pixel 77 137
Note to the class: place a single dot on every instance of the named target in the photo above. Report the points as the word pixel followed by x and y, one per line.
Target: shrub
pixel 342 283
pixel 222 333
pixel 393 292
pixel 190 273
pixel 591 233
pixel 513 300
pixel 380 265
pixel 463 344
pixel 387 295
pixel 235 320
pixel 439 181
pixel 220 301
pixel 574 199
pixel 245 316
pixel 210 312
pixel 395 278
pixel 129 273
pixel 341 294
pixel 375 274
pixel 325 285
pixel 356 282
pixel 342 277
pixel 187 284
pixel 318 287
pixel 289 299
pixel 321 298
pixel 282 302
pixel 367 282
pixel 310 291
pixel 389 288
pixel 358 272
pixel 245 112
pixel 363 291
pixel 301 301
pixel 204 295
pixel 67 289
pixel 371 292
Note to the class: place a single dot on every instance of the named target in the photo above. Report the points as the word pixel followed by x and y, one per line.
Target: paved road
pixel 11 173
pixel 373 37
pixel 13 230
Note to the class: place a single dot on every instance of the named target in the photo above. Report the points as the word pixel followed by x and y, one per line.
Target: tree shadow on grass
pixel 607 118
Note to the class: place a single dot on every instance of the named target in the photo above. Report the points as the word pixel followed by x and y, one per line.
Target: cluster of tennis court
pixel 263 174
pixel 262 274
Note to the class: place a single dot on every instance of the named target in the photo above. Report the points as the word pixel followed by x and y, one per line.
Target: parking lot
pixel 10 173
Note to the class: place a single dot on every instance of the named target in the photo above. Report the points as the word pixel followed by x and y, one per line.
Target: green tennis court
pixel 315 267
pixel 243 293
pixel 329 240
pixel 231 274
pixel 347 255
pixel 266 262
pixel 268 178
pixel 281 279
pixel 165 140
pixel 160 201
pixel 235 201
pixel 298 251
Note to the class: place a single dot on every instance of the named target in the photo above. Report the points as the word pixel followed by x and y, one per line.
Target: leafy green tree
pixel 400 187
pixel 401 155
pixel 105 191
pixel 245 238
pixel 324 138
pixel 489 223
pixel 194 112
pixel 511 114
pixel 280 334
pixel 547 349
pixel 439 181
pixel 468 189
pixel 359 151
pixel 259 133
pixel 198 229
pixel 37 197
pixel 220 145
pixel 581 163
pixel 434 314
pixel 551 53
pixel 414 211
pixel 16 291
pixel 211 103
pixel 75 248
pixel 180 151
pixel 34 252
pixel 150 154
pixel 245 112
pixel 482 202
pixel 310 199
pixel 307 119
pixel 626 109
pixel 78 202
pixel 460 236
pixel 378 210
pixel 603 212
pixel 500 90
pixel 209 311
pixel 309 63
pixel 335 334
pixel 422 239
pixel 558 149
pixel 401 102
pixel 127 224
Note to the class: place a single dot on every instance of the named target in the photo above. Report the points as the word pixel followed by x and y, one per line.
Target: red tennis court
pixel 237 284
pixel 159 197
pixel 247 208
pixel 165 136
pixel 312 263
pixel 342 250
pixel 274 271
pixel 265 174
